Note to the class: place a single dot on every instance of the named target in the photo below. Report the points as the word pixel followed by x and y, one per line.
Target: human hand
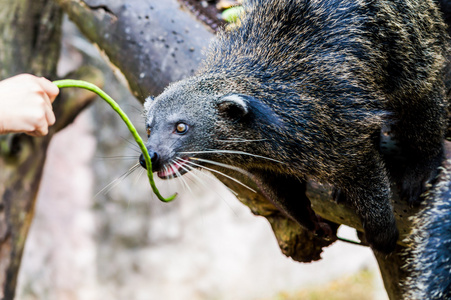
pixel 26 104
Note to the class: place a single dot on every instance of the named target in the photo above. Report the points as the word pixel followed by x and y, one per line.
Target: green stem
pixel 91 87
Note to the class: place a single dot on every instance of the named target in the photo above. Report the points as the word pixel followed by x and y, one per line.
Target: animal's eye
pixel 181 128
pixel 148 131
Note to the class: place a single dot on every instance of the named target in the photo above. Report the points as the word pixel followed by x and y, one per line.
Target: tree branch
pixel 150 48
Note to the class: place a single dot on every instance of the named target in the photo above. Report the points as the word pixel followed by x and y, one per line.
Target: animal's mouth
pixel 175 169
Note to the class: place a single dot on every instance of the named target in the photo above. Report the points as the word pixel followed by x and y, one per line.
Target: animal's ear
pixel 147 103
pixel 233 106
pixel 237 106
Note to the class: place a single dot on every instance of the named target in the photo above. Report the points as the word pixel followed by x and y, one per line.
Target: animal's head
pixel 194 123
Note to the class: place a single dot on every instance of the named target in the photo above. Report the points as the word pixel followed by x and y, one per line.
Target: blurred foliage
pixel 359 286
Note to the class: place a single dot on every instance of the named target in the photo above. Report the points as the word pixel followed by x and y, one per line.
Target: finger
pixel 32 133
pixel 49 114
pixel 38 132
pixel 49 88
pixel 47 100
pixel 41 130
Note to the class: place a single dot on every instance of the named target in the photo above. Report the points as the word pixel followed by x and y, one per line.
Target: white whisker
pixel 140 173
pixel 224 166
pixel 221 173
pixel 181 177
pixel 180 180
pixel 116 181
pixel 134 145
pixel 210 176
pixel 233 168
pixel 193 172
pixel 238 140
pixel 166 169
pixel 138 176
pixel 233 152
pixel 232 191
pixel 190 170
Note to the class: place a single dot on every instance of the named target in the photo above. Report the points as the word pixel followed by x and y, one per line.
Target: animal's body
pixel 304 87
pixel 429 263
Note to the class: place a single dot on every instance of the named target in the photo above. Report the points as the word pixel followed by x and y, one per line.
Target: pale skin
pixel 26 105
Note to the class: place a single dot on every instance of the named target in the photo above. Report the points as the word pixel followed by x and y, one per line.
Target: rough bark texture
pixel 152 43
pixel 29 42
pixel 34 50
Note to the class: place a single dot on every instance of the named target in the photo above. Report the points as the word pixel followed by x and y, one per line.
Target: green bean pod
pixel 91 87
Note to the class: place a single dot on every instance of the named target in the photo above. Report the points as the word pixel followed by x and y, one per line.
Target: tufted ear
pixel 238 106
pixel 233 106
pixel 147 103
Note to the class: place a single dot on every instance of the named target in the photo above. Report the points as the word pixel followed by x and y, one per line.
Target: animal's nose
pixel 154 158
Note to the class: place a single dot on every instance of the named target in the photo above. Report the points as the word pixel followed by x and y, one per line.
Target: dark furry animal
pixel 301 89
pixel 429 263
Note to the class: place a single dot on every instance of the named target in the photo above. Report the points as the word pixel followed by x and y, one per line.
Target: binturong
pixel 300 90
pixel 429 245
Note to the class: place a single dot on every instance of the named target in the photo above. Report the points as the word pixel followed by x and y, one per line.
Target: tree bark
pixel 153 43
pixel 30 33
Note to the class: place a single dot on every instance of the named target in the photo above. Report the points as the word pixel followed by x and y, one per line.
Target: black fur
pixel 326 76
pixel 429 263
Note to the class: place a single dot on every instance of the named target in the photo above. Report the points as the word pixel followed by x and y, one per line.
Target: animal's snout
pixel 154 158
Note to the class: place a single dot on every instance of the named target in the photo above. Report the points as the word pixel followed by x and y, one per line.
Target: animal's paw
pixel 382 238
